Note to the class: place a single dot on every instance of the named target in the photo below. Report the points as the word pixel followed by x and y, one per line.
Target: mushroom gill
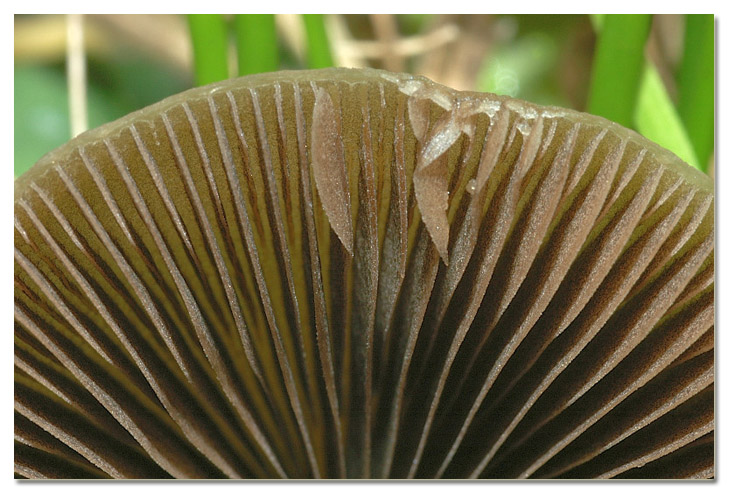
pixel 358 274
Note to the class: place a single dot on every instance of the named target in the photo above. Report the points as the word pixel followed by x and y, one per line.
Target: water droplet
pixel 471 186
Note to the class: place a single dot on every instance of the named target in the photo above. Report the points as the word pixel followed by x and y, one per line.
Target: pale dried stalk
pixel 76 74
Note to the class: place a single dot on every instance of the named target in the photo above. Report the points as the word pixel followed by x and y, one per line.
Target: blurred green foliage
pixel 115 88
pixel 41 120
pixel 643 102
pixel 524 69
pixel 547 59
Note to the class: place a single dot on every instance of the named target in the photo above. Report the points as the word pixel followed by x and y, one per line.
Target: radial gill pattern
pixel 357 274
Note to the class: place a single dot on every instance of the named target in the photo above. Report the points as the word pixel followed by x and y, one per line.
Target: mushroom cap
pixel 350 273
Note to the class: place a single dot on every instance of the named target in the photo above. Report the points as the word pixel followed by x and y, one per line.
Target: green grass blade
pixel 210 46
pixel 696 84
pixel 658 120
pixel 318 46
pixel 256 43
pixel 617 66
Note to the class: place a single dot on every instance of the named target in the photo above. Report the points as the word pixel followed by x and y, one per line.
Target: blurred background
pixel 653 73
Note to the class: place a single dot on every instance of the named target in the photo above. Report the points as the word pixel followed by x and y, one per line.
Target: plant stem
pixel 256 43
pixel 696 84
pixel 318 47
pixel 209 37
pixel 617 67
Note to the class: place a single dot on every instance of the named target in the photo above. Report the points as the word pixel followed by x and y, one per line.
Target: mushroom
pixel 350 273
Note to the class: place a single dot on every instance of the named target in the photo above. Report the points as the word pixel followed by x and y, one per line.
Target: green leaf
pixel 318 47
pixel 658 120
pixel 256 43
pixel 209 37
pixel 617 67
pixel 696 85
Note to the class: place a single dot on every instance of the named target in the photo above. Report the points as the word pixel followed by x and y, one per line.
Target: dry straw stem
pixel 355 273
